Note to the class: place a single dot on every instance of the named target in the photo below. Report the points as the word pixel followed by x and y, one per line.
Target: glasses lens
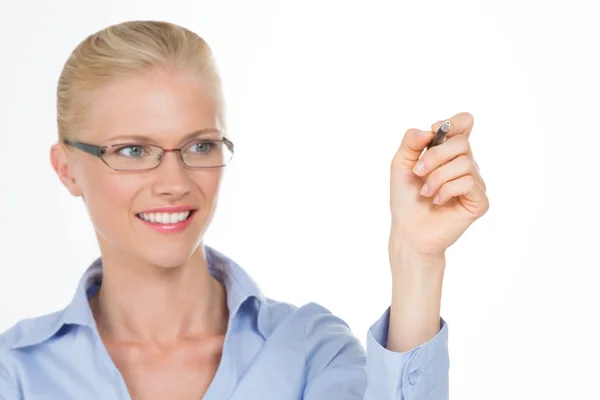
pixel 132 157
pixel 206 154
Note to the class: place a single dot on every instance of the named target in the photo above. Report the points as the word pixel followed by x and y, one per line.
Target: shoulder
pixel 328 342
pixel 9 340
pixel 316 320
pixel 311 319
pixel 318 328
pixel 283 313
pixel 325 332
pixel 24 328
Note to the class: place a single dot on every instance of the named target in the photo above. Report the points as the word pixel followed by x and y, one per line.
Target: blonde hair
pixel 127 49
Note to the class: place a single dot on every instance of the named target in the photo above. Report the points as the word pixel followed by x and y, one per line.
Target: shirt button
pixel 414 376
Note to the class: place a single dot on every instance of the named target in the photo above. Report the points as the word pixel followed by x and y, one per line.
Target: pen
pixel 440 135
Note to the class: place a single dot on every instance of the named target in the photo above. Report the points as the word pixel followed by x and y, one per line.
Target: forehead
pixel 164 106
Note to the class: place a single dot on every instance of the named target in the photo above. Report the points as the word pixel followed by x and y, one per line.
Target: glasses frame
pixel 99 151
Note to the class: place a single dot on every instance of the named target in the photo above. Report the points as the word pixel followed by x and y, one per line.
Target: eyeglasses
pixel 197 153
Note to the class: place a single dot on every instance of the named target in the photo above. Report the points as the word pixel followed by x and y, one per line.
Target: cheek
pixel 110 199
pixel 208 182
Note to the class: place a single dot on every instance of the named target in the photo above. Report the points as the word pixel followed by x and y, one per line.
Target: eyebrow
pixel 142 138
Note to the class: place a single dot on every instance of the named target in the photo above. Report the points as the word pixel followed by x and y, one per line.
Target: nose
pixel 171 177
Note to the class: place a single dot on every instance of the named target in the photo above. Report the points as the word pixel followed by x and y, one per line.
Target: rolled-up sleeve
pixel 418 374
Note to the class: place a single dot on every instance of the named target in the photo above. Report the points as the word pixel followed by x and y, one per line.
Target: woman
pixel 161 315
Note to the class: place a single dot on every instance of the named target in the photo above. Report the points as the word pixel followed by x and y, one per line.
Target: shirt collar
pixel 238 284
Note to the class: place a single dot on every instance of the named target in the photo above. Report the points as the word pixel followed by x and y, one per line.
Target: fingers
pixel 411 148
pixel 460 124
pixel 469 193
pixel 452 148
pixel 415 140
pixel 450 167
pixel 455 169
pixel 439 155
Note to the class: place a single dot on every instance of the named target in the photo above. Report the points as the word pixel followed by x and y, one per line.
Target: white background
pixel 319 95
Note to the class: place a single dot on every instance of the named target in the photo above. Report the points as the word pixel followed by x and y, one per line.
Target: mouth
pixel 166 218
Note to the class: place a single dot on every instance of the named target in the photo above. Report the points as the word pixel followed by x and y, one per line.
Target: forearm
pixel 416 300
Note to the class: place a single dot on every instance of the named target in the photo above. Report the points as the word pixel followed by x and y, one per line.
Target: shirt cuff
pixel 415 374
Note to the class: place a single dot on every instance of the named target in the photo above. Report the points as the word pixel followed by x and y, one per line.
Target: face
pixel 164 107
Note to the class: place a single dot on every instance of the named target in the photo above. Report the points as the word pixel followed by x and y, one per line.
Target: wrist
pixel 404 259
pixel 416 300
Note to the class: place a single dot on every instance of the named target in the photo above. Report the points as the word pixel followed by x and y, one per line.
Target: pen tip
pixel 445 127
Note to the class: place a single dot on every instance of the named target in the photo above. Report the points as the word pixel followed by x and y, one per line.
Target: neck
pixel 152 305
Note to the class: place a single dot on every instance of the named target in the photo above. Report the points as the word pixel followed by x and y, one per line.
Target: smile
pixel 167 222
pixel 165 218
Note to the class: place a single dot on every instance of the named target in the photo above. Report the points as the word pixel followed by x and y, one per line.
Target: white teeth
pixel 165 218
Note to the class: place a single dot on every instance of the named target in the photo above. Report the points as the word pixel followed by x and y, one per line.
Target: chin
pixel 165 253
pixel 167 261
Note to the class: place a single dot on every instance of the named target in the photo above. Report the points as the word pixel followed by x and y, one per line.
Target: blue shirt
pixel 272 351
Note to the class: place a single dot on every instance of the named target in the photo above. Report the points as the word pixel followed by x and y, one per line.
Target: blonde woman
pixel 161 315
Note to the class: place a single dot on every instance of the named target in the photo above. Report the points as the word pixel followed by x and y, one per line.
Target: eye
pixel 133 151
pixel 201 146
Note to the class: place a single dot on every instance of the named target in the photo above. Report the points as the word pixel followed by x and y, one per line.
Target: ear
pixel 60 164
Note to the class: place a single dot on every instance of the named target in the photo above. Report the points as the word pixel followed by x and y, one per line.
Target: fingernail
pixel 424 189
pixel 419 168
pixel 436 200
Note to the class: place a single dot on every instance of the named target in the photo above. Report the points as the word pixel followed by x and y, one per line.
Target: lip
pixel 169 228
pixel 169 209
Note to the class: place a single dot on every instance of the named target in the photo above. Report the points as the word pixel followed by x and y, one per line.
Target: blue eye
pixel 203 146
pixel 132 151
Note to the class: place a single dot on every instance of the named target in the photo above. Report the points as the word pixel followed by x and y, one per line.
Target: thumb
pixel 412 146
